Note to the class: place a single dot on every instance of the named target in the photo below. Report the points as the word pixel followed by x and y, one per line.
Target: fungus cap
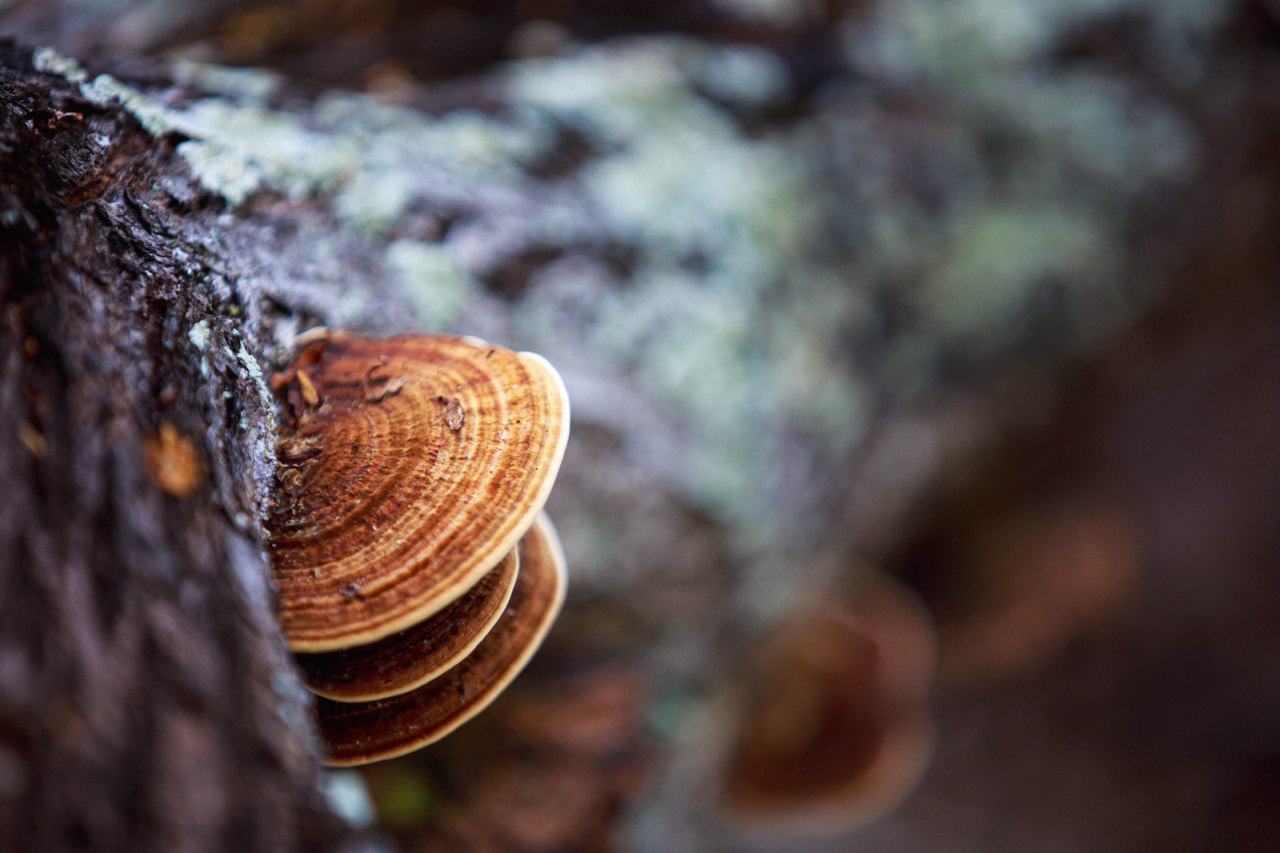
pixel 837 731
pixel 410 658
pixel 363 732
pixel 409 467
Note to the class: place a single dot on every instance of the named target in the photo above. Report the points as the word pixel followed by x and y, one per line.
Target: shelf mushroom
pixel 421 461
pixel 409 470
pixel 412 657
pixel 835 730
pixel 362 732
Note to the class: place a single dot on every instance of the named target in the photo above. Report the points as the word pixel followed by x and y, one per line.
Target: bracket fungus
pixel 414 656
pixel 412 465
pixel 836 730
pixel 414 576
pixel 361 732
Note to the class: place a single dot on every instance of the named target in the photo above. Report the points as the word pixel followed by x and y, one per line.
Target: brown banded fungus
pixel 362 732
pixel 409 467
pixel 835 731
pixel 414 576
pixel 411 658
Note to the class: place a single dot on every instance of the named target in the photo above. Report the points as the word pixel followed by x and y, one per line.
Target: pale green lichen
pixel 221 170
pixel 260 442
pixel 48 61
pixel 431 279
pixel 742 76
pixel 238 148
pixel 759 261
pixel 157 119
pixel 1090 121
pixel 999 255
pixel 401 151
pixel 372 200
pixel 253 84
pixel 723 225
pixel 701 188
pixel 199 335
pixel 1076 147
pixel 254 370
pixel 372 159
pixel 347 795
pixel 952 42
pixel 616 97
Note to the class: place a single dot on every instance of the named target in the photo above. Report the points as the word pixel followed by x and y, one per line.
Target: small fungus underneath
pixel 361 732
pixel 414 656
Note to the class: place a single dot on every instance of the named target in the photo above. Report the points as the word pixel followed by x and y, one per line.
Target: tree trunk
pixel 146 701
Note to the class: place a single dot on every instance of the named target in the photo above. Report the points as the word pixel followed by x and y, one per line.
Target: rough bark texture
pixel 145 698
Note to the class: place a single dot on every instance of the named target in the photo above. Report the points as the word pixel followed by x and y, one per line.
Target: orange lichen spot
pixel 172 462
pixel 32 440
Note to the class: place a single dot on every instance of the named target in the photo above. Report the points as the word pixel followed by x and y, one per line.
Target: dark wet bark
pixel 145 696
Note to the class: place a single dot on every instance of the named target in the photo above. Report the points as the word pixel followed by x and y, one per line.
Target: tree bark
pixel 146 701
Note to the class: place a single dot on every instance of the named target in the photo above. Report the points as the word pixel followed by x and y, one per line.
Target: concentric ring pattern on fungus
pixel 411 466
pixel 412 657
pixel 362 732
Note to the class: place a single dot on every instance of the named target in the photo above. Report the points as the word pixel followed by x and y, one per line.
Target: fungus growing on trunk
pixel 435 455
pixel 362 732
pixel 414 574
pixel 411 658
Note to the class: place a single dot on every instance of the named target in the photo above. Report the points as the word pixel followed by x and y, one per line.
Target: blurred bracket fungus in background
pixel 834 729
pixel 863 307
pixel 409 469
